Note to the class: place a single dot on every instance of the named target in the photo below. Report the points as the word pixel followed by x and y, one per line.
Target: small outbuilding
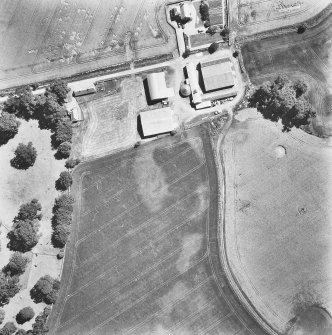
pixel 158 121
pixel 157 86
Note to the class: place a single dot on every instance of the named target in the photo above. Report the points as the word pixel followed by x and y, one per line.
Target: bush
pixel 301 28
pixel 204 11
pixel 186 53
pixel 63 150
pixel 29 211
pixel 72 162
pixel 9 287
pixel 301 87
pixel 17 264
pixel 225 34
pixel 2 315
pixel 23 236
pixel 213 47
pixel 8 329
pixel 60 254
pixel 8 127
pixel 24 315
pixel 64 181
pixel 60 235
pixel 45 290
pixel 25 156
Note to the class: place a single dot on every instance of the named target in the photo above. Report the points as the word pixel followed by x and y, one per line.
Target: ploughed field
pixel 307 56
pixel 144 244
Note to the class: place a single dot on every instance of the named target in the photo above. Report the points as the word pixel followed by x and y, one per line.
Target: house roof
pixel 158 121
pixel 217 74
pixel 157 86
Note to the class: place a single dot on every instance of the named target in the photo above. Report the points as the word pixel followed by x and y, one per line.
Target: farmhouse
pixel 158 121
pixel 157 86
pixel 217 74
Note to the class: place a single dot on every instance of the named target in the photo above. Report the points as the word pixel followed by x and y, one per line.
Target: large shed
pixel 217 74
pixel 158 121
pixel 157 86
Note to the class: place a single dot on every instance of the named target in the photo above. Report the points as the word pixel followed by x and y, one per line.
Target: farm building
pixel 157 86
pixel 158 121
pixel 193 82
pixel 73 109
pixel 90 89
pixel 217 74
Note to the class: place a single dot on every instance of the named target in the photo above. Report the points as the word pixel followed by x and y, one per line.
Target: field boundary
pixel 310 23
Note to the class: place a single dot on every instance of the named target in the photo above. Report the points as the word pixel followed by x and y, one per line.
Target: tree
pixel 64 181
pixel 2 315
pixel 65 201
pixel 60 89
pixel 8 329
pixel 204 11
pixel 21 332
pixel 60 235
pixel 24 315
pixel 17 264
pixel 29 211
pixel 63 132
pixel 235 54
pixel 23 236
pixel 72 162
pixel 186 53
pixel 40 327
pixel 9 287
pixel 63 150
pixel 185 19
pixel 213 47
pixel 301 87
pixel 301 28
pixel 280 100
pixel 225 34
pixel 8 127
pixel 45 290
pixel 25 156
pixel 21 104
pixel 212 30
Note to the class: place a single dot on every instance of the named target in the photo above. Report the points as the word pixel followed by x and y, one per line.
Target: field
pixel 42 39
pixel 143 256
pixel 278 210
pixel 308 56
pixel 253 16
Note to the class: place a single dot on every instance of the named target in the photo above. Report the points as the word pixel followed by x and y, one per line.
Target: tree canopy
pixel 283 100
pixel 2 315
pixel 24 315
pixel 16 265
pixel 23 236
pixel 25 156
pixel 213 47
pixel 64 181
pixel 63 150
pixel 45 290
pixel 8 127
pixel 60 89
pixel 39 327
pixel 9 287
pixel 8 329
pixel 29 211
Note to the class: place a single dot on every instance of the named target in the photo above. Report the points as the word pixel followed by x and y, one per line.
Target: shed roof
pixel 217 74
pixel 157 86
pixel 158 121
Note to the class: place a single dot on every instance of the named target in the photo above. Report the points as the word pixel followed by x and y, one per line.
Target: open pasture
pixel 142 254
pixel 307 56
pixel 254 16
pixel 278 217
pixel 42 39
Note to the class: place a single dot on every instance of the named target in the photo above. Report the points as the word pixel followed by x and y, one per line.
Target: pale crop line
pixel 137 205
pixel 138 251
pixel 147 295
pixel 156 265
pixel 138 228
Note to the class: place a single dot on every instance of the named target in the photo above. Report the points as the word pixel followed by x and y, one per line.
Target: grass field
pixel 308 55
pixel 143 256
pixel 278 213
pixel 253 16
pixel 42 39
